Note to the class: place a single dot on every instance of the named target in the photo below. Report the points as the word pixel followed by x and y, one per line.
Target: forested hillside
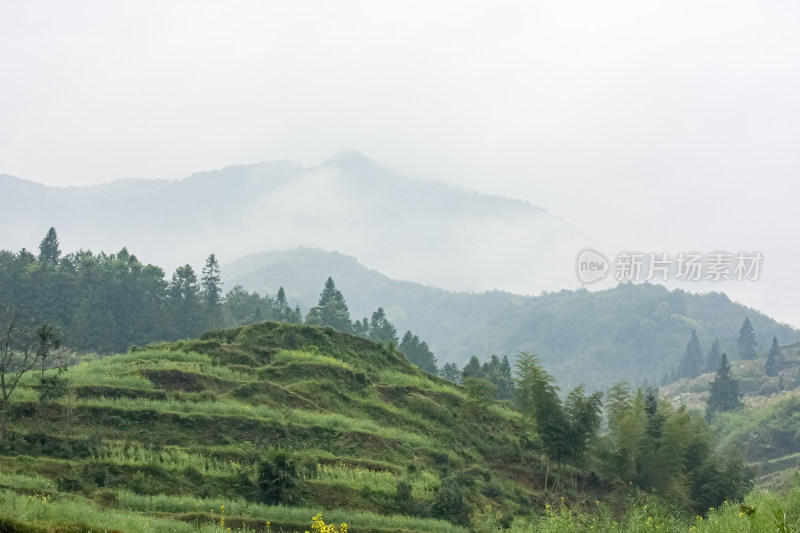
pixel 582 336
pixel 107 302
pixel 763 418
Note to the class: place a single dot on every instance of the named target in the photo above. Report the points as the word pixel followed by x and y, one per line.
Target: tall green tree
pixel 241 307
pixel 418 353
pixel 48 248
pixel 617 401
pixel 284 312
pixel 692 360
pixel 724 390
pixel 472 369
pixel 450 372
pixel 537 398
pixel 583 416
pixel 747 341
pixel 774 361
pixel 211 292
pixel 184 301
pixel 331 310
pixel 714 357
pixel 480 393
pixel 498 371
pixel 380 329
pixel 361 328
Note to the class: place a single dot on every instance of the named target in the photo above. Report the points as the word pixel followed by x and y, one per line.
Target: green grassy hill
pixel 589 337
pixel 768 424
pixel 171 438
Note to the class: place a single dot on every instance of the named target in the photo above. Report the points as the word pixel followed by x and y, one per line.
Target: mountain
pixel 409 228
pixel 175 437
pixel 635 331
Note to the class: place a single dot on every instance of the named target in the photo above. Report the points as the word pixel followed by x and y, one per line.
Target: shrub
pixel 277 478
pixel 450 503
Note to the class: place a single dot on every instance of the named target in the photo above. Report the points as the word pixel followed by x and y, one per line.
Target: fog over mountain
pixel 421 230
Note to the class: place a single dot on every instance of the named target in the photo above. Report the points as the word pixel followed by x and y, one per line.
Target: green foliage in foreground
pixel 332 423
pixel 761 512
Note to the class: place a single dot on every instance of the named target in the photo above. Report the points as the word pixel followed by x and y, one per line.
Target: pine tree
pixel 211 291
pixel 714 357
pixel 282 308
pixel 331 310
pixel 774 359
pixel 747 341
pixel 48 248
pixel 724 390
pixel 693 359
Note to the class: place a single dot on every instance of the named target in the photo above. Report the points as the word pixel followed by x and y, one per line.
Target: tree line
pixel 106 303
pixel 648 443
pixel 694 362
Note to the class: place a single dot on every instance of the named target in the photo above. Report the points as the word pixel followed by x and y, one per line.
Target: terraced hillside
pixel 177 437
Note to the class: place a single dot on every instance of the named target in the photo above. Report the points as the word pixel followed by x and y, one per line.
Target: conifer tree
pixel 724 390
pixel 693 359
pixel 774 359
pixel 48 248
pixel 331 310
pixel 211 291
pixel 747 341
pixel 714 357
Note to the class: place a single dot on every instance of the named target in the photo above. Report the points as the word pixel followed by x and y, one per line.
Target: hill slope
pixel 767 426
pixel 581 336
pixel 169 435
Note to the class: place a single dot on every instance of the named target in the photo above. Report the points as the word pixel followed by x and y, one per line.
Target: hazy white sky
pixel 663 126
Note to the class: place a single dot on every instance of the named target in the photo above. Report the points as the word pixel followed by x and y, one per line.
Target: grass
pixel 76 514
pixel 26 482
pixel 421 381
pixel 326 420
pixel 308 357
pixel 293 515
pixel 171 458
pixel 424 485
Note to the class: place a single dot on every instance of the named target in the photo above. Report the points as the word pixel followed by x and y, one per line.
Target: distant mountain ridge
pixel 409 228
pixel 635 332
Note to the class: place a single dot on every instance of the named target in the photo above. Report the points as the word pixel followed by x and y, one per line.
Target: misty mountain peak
pixel 353 161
